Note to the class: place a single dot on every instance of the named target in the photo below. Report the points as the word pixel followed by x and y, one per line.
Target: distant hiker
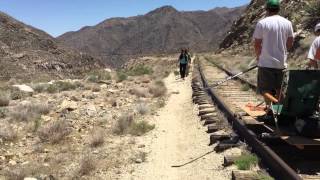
pixel 183 61
pixel 189 62
pixel 273 37
pixel 314 52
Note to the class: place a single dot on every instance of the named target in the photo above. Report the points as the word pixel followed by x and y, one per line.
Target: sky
pixel 59 16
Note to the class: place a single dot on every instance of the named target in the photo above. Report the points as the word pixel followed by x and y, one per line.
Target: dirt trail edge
pixel 178 139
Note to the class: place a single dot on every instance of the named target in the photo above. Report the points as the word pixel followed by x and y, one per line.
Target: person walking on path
pixel 273 36
pixel 189 62
pixel 183 61
pixel 314 52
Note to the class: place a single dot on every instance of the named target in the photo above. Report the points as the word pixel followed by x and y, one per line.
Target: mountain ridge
pixel 163 30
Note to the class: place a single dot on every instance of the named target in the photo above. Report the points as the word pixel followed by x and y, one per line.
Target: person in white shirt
pixel 314 52
pixel 273 36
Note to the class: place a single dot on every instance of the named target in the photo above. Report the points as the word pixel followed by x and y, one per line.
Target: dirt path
pixel 179 138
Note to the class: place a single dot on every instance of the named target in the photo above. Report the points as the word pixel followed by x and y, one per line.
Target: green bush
pixel 65 86
pixel 121 76
pixel 140 70
pixel 98 75
pixel 140 128
pixel 245 87
pixel 3 113
pixel 246 161
pixel 176 73
pixel 4 99
pixel 52 88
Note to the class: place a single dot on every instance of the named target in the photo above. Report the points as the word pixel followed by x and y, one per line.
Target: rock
pixel 91 110
pixel 138 161
pixel 108 70
pixel 30 178
pixel 68 105
pixel 141 146
pixel 12 162
pixel 46 118
pixel 112 91
pixel 24 88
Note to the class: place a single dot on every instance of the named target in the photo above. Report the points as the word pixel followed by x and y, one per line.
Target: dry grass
pixel 54 132
pixel 87 165
pixel 142 108
pixel 140 128
pixel 158 89
pixel 4 99
pixel 15 174
pixel 139 92
pixel 7 133
pixel 123 124
pixel 97 138
pixel 28 112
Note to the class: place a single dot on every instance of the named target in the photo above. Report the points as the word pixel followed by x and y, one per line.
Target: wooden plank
pixel 244 175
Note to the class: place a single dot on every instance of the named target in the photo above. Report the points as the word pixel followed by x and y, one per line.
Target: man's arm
pixel 290 43
pixel 257 47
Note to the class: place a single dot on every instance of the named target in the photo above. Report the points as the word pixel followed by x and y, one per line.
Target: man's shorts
pixel 269 79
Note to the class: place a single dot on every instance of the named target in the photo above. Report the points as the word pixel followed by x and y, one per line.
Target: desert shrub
pixel 52 89
pixel 93 78
pixel 313 10
pixel 3 113
pixel 140 70
pixel 7 133
pixel 139 92
pixel 97 137
pixel 246 161
pixel 245 87
pixel 54 132
pixel 27 112
pixel 158 89
pixel 161 103
pixel 87 165
pixel 15 174
pixel 123 124
pixel 176 73
pixel 142 108
pixel 121 76
pixel 16 94
pixel 4 99
pixel 140 128
pixel 65 86
pixel 39 88
pixel 98 75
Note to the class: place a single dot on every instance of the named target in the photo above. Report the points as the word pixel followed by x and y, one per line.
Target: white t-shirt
pixel 274 32
pixel 313 49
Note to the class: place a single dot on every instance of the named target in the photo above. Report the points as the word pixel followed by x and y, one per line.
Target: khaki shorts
pixel 269 79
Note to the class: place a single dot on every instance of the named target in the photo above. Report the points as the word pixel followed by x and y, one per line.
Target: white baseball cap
pixel 317 28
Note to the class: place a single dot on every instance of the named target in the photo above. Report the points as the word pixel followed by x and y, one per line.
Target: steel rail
pixel 278 168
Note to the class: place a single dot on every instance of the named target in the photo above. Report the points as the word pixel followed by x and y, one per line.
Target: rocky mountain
pixel 163 30
pixel 28 53
pixel 304 15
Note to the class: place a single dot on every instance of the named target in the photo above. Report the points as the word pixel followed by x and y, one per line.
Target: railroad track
pixel 282 160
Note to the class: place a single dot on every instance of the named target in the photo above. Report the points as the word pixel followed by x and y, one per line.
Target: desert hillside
pixel 28 53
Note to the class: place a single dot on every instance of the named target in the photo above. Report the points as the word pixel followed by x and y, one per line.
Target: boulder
pixel 24 88
pixel 68 105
